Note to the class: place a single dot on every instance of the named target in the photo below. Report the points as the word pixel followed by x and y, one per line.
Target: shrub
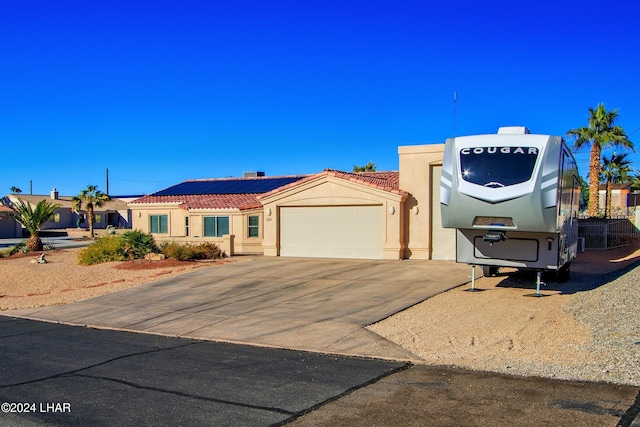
pixel 174 250
pixel 192 251
pixel 105 249
pixel 22 249
pixel 19 248
pixel 128 246
pixel 137 244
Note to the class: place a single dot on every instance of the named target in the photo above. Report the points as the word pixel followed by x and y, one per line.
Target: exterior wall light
pixel 415 210
pixel 392 210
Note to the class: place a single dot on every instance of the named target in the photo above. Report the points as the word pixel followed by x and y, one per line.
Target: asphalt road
pixel 53 374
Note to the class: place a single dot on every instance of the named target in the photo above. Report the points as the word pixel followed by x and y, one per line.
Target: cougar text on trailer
pixel 513 199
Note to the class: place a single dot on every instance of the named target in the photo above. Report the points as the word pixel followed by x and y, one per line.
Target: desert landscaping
pixel 587 329
pixel 61 280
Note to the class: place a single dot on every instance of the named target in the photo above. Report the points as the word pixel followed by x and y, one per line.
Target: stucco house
pixel 623 198
pixel 334 214
pixel 9 228
pixel 225 211
pixel 115 212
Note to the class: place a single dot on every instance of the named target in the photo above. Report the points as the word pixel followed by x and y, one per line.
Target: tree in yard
pixel 635 181
pixel 600 133
pixel 584 194
pixel 32 219
pixel 369 167
pixel 635 187
pixel 92 198
pixel 15 190
pixel 615 170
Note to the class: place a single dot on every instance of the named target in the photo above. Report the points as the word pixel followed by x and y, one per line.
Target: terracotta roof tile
pixel 206 201
pixel 386 181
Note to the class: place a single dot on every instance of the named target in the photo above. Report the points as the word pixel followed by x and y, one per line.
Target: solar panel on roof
pixel 226 186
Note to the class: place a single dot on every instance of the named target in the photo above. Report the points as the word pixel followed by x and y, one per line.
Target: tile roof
pixel 5 208
pixel 219 193
pixel 386 180
pixel 67 202
pixel 206 201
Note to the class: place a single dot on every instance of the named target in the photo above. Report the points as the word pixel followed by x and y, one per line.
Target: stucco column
pixel 227 244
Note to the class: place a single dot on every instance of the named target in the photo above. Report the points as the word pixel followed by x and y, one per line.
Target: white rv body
pixel 513 198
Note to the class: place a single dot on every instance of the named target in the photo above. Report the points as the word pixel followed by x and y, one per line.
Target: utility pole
pixel 107 181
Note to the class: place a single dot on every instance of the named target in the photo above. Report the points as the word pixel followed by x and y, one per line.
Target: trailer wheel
pixel 489 271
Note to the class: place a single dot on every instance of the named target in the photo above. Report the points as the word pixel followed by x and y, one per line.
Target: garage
pixel 332 231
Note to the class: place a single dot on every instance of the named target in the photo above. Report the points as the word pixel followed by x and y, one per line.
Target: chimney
pixel 253 174
pixel 54 194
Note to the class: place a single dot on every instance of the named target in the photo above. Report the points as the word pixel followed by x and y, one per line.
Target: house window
pixel 55 217
pixel 158 224
pixel 97 218
pixel 186 225
pixel 254 226
pixel 216 226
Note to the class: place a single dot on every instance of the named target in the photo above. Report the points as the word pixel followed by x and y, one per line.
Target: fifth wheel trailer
pixel 513 199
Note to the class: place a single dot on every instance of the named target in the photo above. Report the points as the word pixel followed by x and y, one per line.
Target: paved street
pixel 76 376
pixel 173 353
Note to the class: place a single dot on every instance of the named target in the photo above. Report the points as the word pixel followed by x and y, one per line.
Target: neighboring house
pixel 622 198
pixel 334 214
pixel 225 211
pixel 114 212
pixel 9 228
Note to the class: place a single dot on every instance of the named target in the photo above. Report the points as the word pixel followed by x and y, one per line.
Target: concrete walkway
pixel 320 305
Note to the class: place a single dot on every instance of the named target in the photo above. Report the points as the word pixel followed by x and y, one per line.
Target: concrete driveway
pixel 320 305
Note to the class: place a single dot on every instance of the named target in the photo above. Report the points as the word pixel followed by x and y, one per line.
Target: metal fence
pixel 607 233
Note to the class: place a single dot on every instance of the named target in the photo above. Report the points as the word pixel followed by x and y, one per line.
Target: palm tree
pixel 635 187
pixel 91 197
pixel 600 133
pixel 369 167
pixel 615 170
pixel 584 194
pixel 32 219
pixel 635 181
pixel 15 190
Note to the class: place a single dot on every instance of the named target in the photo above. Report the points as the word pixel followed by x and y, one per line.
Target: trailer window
pixel 496 167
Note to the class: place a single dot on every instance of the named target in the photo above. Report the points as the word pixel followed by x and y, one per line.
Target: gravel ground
pixel 611 313
pixel 587 329
pixel 25 284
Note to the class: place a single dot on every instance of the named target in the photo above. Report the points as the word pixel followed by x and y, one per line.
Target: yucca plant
pixel 32 219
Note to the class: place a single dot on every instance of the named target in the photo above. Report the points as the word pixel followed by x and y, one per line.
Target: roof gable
pixel 388 181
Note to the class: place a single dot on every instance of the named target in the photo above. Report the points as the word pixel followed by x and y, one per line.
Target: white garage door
pixel 443 240
pixel 332 231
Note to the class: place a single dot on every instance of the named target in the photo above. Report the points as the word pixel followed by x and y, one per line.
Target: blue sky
pixel 163 91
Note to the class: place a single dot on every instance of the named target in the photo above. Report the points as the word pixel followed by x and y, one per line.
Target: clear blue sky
pixel 163 91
